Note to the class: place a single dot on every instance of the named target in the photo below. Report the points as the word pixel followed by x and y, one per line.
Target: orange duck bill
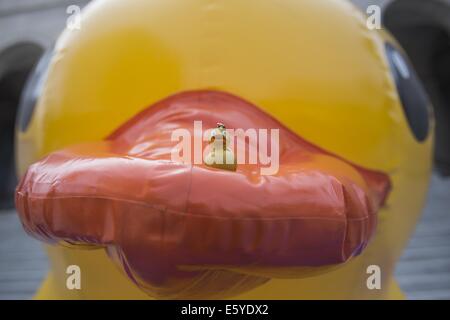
pixel 188 230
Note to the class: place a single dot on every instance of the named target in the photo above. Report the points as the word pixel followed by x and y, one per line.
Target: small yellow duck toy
pixel 220 155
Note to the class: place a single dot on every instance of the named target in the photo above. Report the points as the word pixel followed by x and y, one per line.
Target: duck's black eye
pixel 414 99
pixel 32 91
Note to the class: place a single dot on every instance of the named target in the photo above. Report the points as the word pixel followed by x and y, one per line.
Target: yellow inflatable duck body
pixel 311 68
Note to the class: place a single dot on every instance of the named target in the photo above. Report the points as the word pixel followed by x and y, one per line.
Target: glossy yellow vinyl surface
pixel 311 64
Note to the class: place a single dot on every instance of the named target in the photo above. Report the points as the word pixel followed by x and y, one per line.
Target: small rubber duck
pixel 220 156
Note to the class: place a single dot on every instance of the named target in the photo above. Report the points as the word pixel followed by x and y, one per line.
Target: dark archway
pixel 16 63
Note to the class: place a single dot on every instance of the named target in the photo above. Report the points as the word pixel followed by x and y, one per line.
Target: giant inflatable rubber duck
pixel 99 184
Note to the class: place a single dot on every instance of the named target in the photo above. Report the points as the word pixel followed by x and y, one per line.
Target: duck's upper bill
pixel 172 225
